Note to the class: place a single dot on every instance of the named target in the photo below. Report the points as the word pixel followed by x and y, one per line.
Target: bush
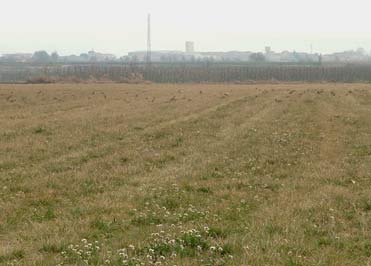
pixel 40 80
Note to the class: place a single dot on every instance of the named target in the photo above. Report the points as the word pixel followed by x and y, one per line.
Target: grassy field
pixel 110 174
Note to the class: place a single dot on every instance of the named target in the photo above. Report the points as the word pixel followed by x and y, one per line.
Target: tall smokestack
pixel 148 59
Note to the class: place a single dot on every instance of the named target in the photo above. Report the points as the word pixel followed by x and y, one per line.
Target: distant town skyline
pixel 118 27
pixel 253 45
pixel 192 56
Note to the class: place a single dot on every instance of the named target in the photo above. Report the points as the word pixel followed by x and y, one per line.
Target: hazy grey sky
pixel 119 26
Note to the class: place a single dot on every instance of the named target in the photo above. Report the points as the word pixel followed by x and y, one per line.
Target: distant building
pixel 99 57
pixel 190 47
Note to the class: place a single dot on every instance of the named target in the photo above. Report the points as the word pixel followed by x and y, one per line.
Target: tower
pixel 148 58
pixel 190 47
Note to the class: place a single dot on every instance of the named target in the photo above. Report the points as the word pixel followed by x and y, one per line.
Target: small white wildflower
pixel 162 257
pixel 131 247
pixel 212 248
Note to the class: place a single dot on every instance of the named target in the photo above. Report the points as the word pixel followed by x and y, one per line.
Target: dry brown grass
pixel 279 173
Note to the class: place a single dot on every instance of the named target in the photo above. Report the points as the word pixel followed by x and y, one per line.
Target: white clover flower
pixel 131 247
pixel 162 257
pixel 84 241
pixel 212 248
pixel 220 249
